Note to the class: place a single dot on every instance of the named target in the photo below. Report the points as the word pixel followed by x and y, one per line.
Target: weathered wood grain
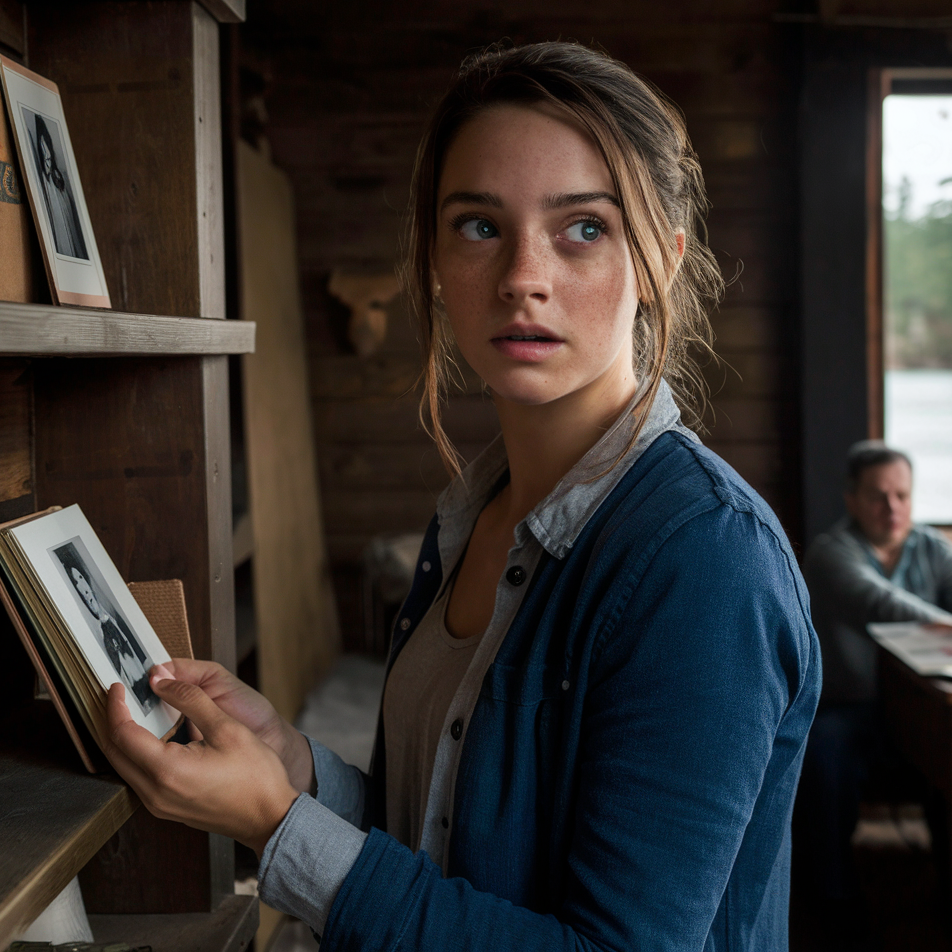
pixel 739 420
pixel 758 462
pixel 209 211
pixel 39 329
pixel 741 327
pixel 296 622
pixel 466 419
pixel 347 377
pixel 12 33
pixel 52 820
pixel 379 511
pixel 230 928
pixel 16 470
pixel 373 466
pixel 744 374
pixel 226 11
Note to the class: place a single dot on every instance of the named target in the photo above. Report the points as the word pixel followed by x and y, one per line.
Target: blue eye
pixel 584 231
pixel 478 229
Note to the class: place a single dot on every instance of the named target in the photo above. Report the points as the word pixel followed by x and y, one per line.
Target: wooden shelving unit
pixel 125 412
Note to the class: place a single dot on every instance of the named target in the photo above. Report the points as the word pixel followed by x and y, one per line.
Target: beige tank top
pixel 420 688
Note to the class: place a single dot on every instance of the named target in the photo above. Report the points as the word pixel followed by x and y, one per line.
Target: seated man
pixel 874 565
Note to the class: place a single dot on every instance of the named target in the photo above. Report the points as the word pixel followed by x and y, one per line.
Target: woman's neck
pixel 544 442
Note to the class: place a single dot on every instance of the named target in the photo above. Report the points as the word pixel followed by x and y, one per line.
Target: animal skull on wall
pixel 367 296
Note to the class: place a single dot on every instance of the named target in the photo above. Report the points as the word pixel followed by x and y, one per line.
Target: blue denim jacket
pixel 645 805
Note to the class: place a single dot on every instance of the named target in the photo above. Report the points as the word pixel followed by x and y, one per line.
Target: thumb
pixel 160 673
pixel 125 743
pixel 197 706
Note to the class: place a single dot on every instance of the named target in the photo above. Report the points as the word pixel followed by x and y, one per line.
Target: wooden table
pixel 918 712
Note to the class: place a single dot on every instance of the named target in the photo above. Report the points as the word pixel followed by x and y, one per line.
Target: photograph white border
pixel 72 280
pixel 37 539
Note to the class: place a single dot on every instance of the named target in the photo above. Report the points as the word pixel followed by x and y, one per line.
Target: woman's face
pixel 46 155
pixel 85 590
pixel 531 257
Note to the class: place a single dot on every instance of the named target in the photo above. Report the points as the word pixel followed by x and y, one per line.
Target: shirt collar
pixel 898 574
pixel 559 518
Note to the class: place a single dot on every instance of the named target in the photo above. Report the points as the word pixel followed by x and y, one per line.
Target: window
pixel 916 241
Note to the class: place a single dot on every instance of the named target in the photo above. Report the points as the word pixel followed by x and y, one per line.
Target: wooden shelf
pixel 229 929
pixel 226 11
pixel 52 821
pixel 50 331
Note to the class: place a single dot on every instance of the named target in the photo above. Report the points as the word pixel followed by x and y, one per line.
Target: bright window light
pixel 917 294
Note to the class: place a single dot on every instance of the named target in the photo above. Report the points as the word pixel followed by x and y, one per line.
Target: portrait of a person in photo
pixel 600 685
pixel 58 201
pixel 112 631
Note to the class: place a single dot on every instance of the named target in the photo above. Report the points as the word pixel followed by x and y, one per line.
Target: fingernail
pixel 160 673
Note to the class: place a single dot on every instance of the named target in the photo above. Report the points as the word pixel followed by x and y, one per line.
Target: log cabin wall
pixel 348 87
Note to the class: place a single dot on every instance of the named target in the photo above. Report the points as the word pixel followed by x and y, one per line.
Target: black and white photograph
pixel 52 183
pixel 111 630
pixel 91 600
pixel 59 206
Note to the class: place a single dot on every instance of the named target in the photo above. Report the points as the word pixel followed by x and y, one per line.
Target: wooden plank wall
pixel 349 88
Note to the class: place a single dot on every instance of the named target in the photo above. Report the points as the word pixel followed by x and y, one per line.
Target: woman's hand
pixel 228 782
pixel 248 707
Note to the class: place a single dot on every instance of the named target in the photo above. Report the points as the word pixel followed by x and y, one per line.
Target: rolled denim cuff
pixel 340 786
pixel 306 861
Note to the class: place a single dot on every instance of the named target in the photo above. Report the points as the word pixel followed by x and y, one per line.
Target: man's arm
pixel 843 583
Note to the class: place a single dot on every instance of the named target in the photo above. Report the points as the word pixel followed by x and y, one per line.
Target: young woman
pixel 602 680
pixel 58 197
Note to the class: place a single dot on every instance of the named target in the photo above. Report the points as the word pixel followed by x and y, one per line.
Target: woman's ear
pixel 679 237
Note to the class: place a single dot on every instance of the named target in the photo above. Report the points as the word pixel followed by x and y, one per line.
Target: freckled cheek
pixel 467 294
pixel 608 298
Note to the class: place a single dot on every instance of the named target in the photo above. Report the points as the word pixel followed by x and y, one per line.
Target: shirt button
pixel 456 731
pixel 426 566
pixel 446 823
pixel 404 624
pixel 565 685
pixel 516 575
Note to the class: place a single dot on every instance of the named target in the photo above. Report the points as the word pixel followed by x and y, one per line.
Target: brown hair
pixel 865 455
pixel 660 190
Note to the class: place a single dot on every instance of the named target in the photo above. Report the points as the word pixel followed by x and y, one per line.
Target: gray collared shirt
pixel 849 589
pixel 310 854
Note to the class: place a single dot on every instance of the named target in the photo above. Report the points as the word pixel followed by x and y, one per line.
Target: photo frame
pixel 109 629
pixel 51 179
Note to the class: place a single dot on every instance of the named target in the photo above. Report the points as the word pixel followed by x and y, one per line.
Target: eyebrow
pixel 570 199
pixel 561 200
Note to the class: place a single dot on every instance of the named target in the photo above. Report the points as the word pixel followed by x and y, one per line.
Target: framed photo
pixel 48 169
pixel 107 626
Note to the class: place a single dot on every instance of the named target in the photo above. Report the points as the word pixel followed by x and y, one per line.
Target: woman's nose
pixel 526 272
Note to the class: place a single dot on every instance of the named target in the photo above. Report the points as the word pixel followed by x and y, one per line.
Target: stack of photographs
pixel 65 593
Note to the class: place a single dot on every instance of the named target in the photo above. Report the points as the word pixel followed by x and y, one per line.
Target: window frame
pixel 883 83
